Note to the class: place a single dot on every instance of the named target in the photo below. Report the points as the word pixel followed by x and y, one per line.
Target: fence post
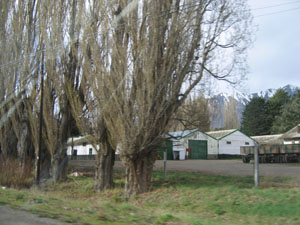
pixel 256 165
pixel 165 165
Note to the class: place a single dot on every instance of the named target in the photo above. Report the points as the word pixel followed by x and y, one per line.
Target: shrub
pixel 13 174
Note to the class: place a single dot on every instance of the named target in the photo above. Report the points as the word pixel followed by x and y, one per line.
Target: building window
pixel 247 143
pixel 90 151
pixel 228 142
pixel 74 154
pixel 84 143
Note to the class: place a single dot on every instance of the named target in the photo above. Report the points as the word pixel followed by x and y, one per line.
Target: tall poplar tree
pixel 149 57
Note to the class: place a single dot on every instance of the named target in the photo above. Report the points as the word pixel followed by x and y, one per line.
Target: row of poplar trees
pixel 117 69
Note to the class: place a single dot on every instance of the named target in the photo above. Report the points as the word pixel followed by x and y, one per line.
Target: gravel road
pixel 9 216
pixel 216 167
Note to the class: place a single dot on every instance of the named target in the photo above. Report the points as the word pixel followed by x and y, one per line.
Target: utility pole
pixel 38 158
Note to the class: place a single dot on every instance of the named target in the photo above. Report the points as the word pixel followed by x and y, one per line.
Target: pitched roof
pixel 292 133
pixel 268 139
pixel 79 140
pixel 221 133
pixel 180 134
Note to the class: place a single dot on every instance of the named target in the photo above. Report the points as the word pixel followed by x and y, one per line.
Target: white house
pixel 230 141
pixel 193 144
pixel 79 148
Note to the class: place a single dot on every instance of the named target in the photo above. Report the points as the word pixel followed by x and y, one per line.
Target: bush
pixel 13 174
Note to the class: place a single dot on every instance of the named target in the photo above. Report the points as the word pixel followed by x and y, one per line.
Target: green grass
pixel 186 198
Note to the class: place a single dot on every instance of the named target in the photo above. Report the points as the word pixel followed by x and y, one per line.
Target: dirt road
pixel 232 168
pixel 217 167
pixel 9 216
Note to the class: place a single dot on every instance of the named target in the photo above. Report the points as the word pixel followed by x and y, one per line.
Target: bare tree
pixel 231 120
pixel 193 114
pixel 91 123
pixel 62 68
pixel 18 38
pixel 141 65
pixel 67 94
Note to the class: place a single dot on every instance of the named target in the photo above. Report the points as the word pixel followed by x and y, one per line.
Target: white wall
pixel 178 148
pixel 237 139
pixel 81 149
pixel 291 142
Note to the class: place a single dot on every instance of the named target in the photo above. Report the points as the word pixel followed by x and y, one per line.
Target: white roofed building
pixel 230 142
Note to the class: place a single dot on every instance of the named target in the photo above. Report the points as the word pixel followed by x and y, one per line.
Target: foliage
pixel 277 101
pixel 289 117
pixel 186 198
pixel 255 118
pixel 277 115
pixel 275 105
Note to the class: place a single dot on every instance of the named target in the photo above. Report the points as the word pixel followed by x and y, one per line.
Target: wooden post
pixel 256 165
pixel 165 165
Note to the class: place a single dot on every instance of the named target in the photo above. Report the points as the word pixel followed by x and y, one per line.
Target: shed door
pixel 198 149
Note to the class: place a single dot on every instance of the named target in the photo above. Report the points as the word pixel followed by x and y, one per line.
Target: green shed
pixel 165 145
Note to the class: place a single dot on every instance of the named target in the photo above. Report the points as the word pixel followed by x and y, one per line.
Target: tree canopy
pixel 255 118
pixel 277 115
pixel 289 115
pixel 275 105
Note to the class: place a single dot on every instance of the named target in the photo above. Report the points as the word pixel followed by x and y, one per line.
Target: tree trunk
pixel 59 162
pixel 59 165
pixel 45 163
pixel 8 142
pixel 105 161
pixel 24 145
pixel 138 173
pixel 21 145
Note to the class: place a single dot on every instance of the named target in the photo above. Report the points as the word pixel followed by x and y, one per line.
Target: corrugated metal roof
pixel 268 139
pixel 180 134
pixel 221 133
pixel 292 133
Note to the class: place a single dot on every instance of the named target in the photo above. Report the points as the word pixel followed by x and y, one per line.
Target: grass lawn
pixel 187 198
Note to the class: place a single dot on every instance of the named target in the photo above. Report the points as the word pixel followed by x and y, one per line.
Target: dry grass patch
pixel 15 175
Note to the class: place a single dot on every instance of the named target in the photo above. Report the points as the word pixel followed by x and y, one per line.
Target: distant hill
pixel 218 101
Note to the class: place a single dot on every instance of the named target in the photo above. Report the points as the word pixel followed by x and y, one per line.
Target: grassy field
pixel 187 198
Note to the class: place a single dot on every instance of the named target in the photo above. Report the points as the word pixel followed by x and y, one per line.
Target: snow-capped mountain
pixel 218 102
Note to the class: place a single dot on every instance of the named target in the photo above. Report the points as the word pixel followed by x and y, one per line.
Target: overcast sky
pixel 274 59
